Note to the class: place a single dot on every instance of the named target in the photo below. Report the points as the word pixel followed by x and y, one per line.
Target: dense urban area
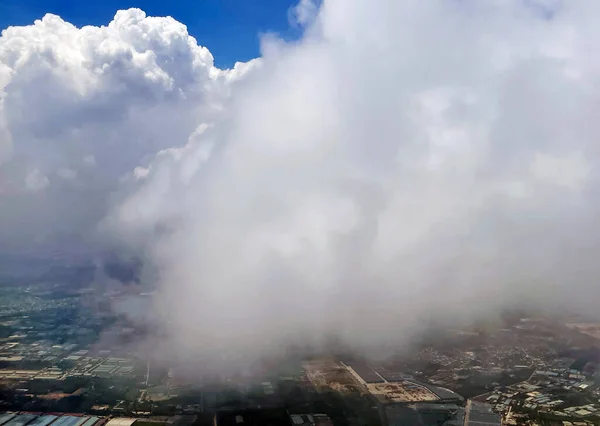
pixel 65 361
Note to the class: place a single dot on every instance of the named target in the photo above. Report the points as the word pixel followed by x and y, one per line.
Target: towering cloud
pixel 82 107
pixel 404 160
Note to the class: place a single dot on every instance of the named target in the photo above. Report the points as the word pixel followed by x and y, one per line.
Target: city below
pixel 65 361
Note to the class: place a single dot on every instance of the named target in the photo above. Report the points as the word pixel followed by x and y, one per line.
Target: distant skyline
pixel 230 29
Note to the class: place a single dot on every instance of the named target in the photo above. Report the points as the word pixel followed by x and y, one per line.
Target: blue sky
pixel 229 28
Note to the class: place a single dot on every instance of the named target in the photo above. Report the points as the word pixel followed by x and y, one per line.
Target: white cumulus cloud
pixel 403 161
pixel 84 106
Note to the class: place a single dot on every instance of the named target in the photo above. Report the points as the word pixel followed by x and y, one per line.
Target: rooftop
pixel 121 421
